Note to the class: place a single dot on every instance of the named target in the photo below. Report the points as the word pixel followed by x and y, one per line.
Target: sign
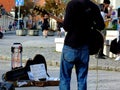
pixel 38 71
pixel 19 3
pixel 110 35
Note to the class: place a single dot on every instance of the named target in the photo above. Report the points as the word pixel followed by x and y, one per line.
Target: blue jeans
pixel 70 57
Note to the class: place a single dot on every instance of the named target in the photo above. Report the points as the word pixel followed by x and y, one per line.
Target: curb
pixel 57 64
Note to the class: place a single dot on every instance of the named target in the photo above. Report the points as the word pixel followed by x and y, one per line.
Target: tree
pixel 54 7
pixel 24 10
pixel 28 5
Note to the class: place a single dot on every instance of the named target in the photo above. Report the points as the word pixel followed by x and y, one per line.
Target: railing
pixel 4 22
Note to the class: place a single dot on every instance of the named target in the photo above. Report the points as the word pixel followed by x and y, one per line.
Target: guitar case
pixel 20 73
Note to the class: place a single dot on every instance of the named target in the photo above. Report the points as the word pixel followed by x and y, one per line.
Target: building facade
pixel 8 4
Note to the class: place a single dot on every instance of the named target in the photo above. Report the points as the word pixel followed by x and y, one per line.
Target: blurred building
pixel 8 4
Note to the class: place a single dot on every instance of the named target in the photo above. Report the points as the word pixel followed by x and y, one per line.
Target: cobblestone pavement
pixel 33 45
pixel 108 80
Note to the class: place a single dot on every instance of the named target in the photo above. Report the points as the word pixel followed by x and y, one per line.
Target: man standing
pixel 107 19
pixel 80 16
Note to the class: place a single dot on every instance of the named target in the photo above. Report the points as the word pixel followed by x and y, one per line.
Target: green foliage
pixel 51 6
pixel 28 5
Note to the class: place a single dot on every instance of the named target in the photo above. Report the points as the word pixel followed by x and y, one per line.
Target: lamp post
pixel 19 3
pixel 18 17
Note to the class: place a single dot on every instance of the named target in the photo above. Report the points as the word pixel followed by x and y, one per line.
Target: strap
pixel 97 75
pixel 97 78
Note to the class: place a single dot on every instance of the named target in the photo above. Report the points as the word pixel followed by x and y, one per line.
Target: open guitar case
pixel 20 73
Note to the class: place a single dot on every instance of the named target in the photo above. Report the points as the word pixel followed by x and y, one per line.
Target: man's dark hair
pixel 106 1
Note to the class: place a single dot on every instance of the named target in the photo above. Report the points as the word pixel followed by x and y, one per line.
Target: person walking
pixel 107 18
pixel 78 22
pixel 59 26
pixel 10 26
pixel 29 22
pixel 118 41
pixel 45 25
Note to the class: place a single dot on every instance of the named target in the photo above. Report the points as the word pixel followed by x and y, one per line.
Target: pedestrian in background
pixel 45 25
pixel 29 23
pixel 10 26
pixel 107 18
pixel 21 24
pixel 118 41
pixel 77 23
pixel 14 25
pixel 59 27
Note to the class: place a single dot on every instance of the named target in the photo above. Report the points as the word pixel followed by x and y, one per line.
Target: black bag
pixel 15 74
pixel 1 35
pixel 6 86
pixel 115 46
pixel 96 42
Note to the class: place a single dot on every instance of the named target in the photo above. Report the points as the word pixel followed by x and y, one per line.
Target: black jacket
pixel 78 21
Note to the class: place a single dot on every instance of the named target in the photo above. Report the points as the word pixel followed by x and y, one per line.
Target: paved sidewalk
pixel 33 45
pixel 46 46
pixel 107 80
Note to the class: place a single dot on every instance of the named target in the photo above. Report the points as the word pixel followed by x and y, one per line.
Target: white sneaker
pixel 117 58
